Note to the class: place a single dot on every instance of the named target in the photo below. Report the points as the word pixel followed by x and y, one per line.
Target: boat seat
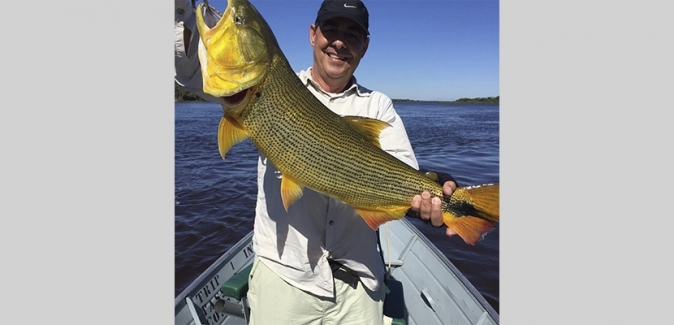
pixel 232 298
pixel 237 287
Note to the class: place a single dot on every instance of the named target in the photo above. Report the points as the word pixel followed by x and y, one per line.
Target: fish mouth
pixel 233 51
pixel 235 99
pixel 236 102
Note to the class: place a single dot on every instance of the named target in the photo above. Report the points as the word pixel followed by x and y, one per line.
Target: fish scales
pixel 343 163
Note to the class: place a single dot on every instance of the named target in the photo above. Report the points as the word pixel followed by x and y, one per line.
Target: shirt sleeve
pixel 187 67
pixel 394 139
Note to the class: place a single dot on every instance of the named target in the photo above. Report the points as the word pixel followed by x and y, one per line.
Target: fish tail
pixel 472 211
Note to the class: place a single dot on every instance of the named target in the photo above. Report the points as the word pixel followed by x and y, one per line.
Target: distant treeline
pixel 182 95
pixel 479 100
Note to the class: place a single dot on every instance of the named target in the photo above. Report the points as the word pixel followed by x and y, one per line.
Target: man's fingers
pixel 448 188
pixel 436 212
pixel 416 202
pixel 425 209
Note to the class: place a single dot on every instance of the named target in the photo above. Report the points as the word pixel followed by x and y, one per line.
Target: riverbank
pixel 479 100
pixel 182 95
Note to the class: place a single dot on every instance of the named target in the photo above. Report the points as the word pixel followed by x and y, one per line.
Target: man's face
pixel 339 45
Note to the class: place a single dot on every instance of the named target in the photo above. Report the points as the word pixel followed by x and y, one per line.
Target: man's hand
pixel 431 209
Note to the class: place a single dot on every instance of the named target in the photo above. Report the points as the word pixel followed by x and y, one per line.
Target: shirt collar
pixel 305 76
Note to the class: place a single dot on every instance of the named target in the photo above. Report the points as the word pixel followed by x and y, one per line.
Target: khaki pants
pixel 274 301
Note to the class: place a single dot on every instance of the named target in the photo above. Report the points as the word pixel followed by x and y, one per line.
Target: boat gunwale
pixel 214 268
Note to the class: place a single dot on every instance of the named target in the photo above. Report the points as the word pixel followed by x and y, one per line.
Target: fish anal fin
pixel 470 229
pixel 375 218
pixel 291 191
pixel 230 132
pixel 369 128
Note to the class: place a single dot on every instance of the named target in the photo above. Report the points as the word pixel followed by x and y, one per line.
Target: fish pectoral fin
pixel 291 191
pixel 369 128
pixel 230 132
pixel 375 218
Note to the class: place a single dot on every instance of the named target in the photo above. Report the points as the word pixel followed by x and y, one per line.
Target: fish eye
pixel 239 20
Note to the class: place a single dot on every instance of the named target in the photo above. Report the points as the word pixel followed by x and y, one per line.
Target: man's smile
pixel 336 56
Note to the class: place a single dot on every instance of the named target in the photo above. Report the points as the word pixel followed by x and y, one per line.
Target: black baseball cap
pixel 354 10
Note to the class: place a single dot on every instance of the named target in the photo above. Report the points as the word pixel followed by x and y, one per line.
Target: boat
pixel 423 286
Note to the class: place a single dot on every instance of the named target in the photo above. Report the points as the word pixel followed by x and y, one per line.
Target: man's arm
pixel 187 67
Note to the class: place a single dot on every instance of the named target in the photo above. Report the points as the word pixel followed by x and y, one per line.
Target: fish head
pixel 235 52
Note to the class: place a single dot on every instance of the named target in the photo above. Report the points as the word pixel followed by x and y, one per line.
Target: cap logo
pixel 347 6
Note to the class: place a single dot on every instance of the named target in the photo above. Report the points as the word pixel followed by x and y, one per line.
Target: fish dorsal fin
pixel 368 127
pixel 230 132
pixel 375 218
pixel 291 190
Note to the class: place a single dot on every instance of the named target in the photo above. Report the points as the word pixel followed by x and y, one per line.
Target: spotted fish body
pixel 311 145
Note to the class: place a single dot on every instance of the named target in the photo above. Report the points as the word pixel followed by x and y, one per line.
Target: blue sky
pixel 419 49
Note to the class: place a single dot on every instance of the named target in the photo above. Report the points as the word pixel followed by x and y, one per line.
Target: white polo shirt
pixel 296 244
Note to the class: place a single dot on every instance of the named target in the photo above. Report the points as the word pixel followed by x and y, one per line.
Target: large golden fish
pixel 265 101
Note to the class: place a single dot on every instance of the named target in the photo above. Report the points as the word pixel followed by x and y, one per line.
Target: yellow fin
pixel 481 201
pixel 230 132
pixel 486 200
pixel 368 127
pixel 473 211
pixel 470 229
pixel 375 218
pixel 290 191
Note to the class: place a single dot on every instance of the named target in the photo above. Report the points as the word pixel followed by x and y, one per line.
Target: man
pixel 318 262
